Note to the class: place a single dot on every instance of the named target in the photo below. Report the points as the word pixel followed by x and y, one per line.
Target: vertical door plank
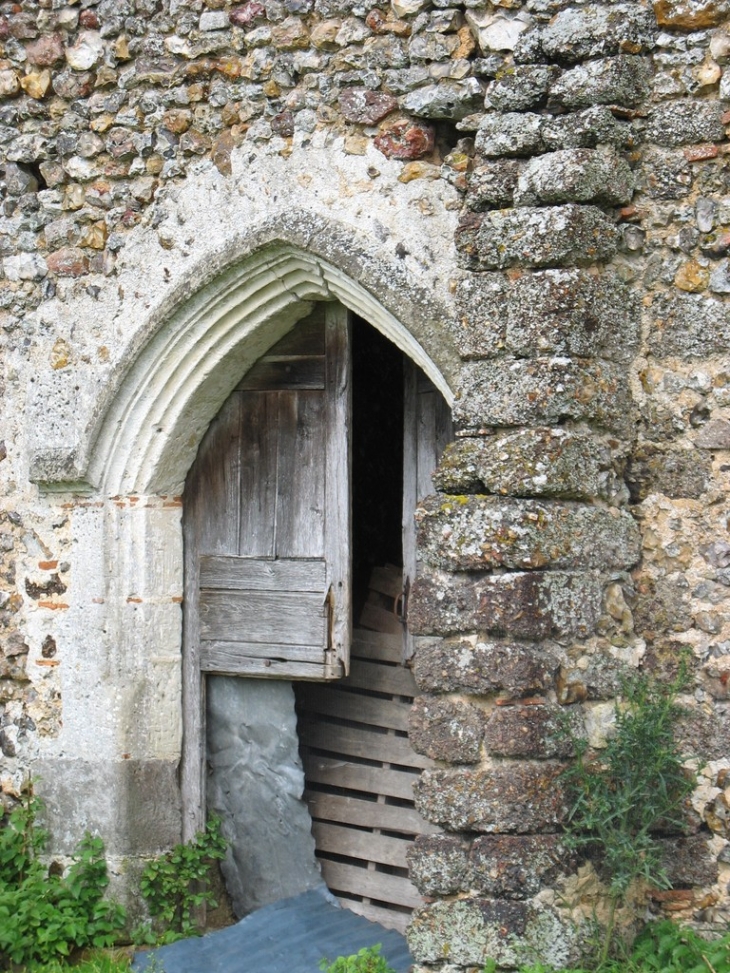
pixel 259 446
pixel 300 481
pixel 337 471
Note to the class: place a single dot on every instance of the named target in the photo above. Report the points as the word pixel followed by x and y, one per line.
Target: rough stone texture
pixel 575 175
pixel 520 605
pixel 464 533
pixel 527 392
pixel 483 667
pixel 446 730
pixel 622 80
pixel 519 798
pixel 171 168
pixel 595 31
pixel 529 731
pixel 688 326
pixel 563 312
pixel 528 463
pixel 438 864
pixel 492 184
pixel 471 931
pixel 254 787
pixel 674 473
pixel 133 805
pixel 517 866
pixel 689 861
pixel 555 236
pixel 684 123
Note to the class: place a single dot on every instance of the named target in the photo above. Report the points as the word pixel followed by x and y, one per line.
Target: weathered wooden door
pixel 267 527
pixel 267 513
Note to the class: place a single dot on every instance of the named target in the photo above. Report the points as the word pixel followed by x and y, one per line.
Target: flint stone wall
pixel 538 191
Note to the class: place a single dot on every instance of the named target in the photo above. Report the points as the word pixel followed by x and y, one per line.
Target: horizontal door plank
pixel 360 742
pixel 219 571
pixel 377 645
pixel 288 618
pixel 363 845
pixel 371 884
pixel 367 814
pixel 388 918
pixel 274 669
pixel 337 772
pixel 223 653
pixel 388 713
pixel 396 680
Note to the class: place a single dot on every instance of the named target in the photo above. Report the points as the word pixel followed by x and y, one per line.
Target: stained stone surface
pixel 255 786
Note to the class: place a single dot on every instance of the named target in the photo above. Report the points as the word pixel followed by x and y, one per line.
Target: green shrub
pixel 176 885
pixel 44 915
pixel 634 789
pixel 366 960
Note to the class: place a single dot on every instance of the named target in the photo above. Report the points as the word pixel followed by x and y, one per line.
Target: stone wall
pixel 533 195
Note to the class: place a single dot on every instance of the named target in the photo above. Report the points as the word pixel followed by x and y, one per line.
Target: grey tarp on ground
pixel 290 936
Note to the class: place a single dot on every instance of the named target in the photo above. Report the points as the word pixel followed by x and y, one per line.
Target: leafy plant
pixel 176 885
pixel 636 788
pixel 366 960
pixel 44 915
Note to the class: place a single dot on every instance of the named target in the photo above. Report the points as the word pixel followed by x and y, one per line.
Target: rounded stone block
pixel 543 391
pixel 520 605
pixel 438 864
pixel 517 866
pixel 597 30
pixel 513 797
pixel 473 533
pixel 446 730
pixel 564 312
pixel 553 236
pixel 623 80
pixel 471 931
pixel 575 175
pixel 483 668
pixel 528 463
pixel 529 731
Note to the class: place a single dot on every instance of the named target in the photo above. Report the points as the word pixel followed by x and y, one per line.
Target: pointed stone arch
pixel 175 380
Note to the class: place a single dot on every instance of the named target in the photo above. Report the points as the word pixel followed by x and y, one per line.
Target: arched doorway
pixel 276 554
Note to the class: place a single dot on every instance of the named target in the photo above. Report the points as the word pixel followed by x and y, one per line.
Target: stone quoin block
pixel 622 80
pixel 472 533
pixel 688 326
pixel 522 89
pixel 517 866
pixel 527 463
pixel 585 130
pixel 597 31
pixel 512 797
pixel 528 731
pixel 575 175
pixel 511 134
pixel 540 391
pixel 471 931
pixel 491 185
pixel 446 729
pixel 563 312
pixel 483 668
pixel 551 236
pixel 517 605
pixel 438 864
